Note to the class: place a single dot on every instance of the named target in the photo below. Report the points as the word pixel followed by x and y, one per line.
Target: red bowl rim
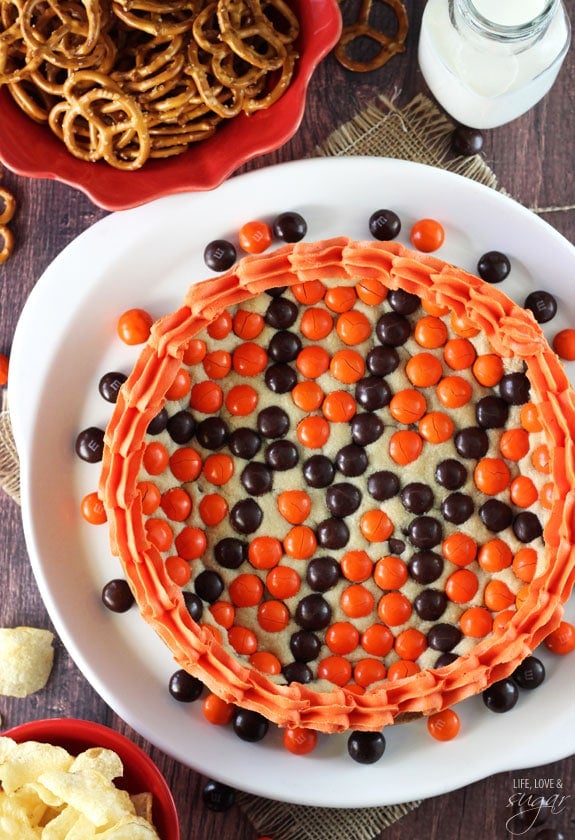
pixel 141 773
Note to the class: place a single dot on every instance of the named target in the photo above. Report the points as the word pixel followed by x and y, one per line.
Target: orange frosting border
pixel 510 329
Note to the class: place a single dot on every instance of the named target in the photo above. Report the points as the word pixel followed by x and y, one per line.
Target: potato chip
pixel 104 761
pixel 48 794
pixel 143 803
pixel 69 825
pixel 22 764
pixel 14 820
pixel 26 658
pixel 130 828
pixel 36 809
pixel 90 793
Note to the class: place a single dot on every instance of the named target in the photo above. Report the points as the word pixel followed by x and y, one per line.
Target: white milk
pixel 510 12
pixel 481 81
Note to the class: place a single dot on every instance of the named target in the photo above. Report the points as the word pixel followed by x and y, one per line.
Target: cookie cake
pixel 340 483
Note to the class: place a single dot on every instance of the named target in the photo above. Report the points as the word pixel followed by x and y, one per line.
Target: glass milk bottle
pixel 489 61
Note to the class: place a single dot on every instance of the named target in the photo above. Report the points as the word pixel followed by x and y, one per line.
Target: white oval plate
pixel 66 341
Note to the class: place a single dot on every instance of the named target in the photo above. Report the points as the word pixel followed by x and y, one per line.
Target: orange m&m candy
pixel 255 236
pixel 249 359
pixel 273 616
pixel 313 432
pixel 368 671
pixel 307 395
pixel 339 407
pixel 408 406
pixel 562 640
pixel 394 608
pixel 216 710
pixel 178 569
pixel 371 291
pixel 375 525
pixel 405 446
pixel 241 400
pixel 336 669
pixel 353 327
pixel 377 640
pixel 134 326
pixel 356 601
pixel 459 353
pixel 356 566
pixel 159 533
pixel 491 476
pixel 444 725
pixel 460 549
pixel 283 582
pixel 312 361
pixel 176 504
pixel 92 509
pixel 424 370
pixel 410 644
pixel 390 572
pixel 340 298
pixel 180 385
pixel 299 742
pixel 265 552
pixel 294 506
pixel 564 344
pixel 436 427
pixel 342 637
pixel 247 325
pixel 316 323
pixel 242 639
pixel 430 332
pixel 217 364
pixel 461 586
pixel 488 369
pixel 427 235
pixel 476 622
pixel 347 366
pixel 300 542
pixel 454 391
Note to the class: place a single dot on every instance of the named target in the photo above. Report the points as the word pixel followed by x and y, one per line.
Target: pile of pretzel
pixel 128 80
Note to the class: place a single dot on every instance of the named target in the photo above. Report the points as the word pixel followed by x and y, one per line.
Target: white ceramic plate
pixel 66 341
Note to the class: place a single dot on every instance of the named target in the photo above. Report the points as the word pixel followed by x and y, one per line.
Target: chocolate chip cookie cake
pixel 340 482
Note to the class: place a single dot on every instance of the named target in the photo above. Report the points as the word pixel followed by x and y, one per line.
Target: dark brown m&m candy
pixel 117 595
pixel 530 674
pixel 384 224
pixel 184 687
pixel 493 267
pixel 219 255
pixel 366 747
pixel 542 304
pixel 466 141
pixel 501 696
pixel 90 444
pixel 110 384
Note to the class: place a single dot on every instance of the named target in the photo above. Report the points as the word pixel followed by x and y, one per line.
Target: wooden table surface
pixel 533 159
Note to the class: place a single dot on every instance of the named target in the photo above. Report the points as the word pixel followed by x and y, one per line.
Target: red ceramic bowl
pixel 140 772
pixel 29 148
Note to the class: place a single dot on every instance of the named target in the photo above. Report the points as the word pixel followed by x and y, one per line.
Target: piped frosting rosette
pixel 201 647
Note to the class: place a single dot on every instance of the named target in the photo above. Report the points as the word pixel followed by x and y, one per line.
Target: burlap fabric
pixel 417 132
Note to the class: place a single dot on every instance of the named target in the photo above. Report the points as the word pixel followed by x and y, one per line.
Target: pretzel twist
pixel 361 28
pixel 7 240
pixel 7 206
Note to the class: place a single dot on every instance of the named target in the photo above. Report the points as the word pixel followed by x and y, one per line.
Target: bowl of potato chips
pixel 129 105
pixel 67 778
